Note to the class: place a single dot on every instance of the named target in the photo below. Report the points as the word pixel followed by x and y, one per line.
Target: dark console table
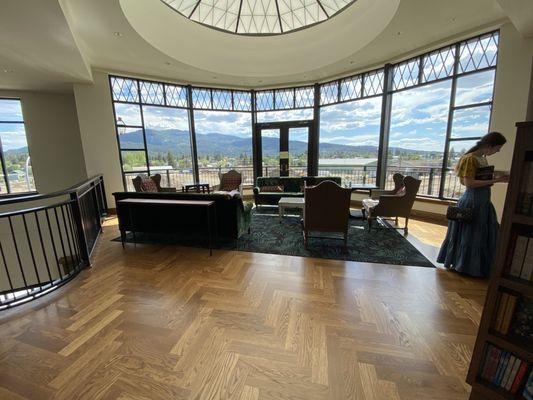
pixel 201 187
pixel 129 208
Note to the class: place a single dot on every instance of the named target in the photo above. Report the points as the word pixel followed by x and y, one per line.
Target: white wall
pixel 53 138
pixel 511 94
pixel 97 127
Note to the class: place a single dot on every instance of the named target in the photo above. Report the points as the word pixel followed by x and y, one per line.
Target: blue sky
pixel 13 135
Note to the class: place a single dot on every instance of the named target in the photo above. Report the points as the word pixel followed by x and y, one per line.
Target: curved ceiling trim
pixel 259 56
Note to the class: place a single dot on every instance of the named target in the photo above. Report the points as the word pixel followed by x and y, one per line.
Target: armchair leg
pixel 406 229
pixel 396 221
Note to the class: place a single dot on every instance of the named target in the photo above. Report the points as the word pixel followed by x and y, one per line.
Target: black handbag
pixel 461 214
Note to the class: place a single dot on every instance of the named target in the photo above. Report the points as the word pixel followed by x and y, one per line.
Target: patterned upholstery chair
pixel 230 181
pixel 327 209
pixel 150 184
pixel 398 204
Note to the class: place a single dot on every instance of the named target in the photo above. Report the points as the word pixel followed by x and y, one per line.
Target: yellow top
pixel 468 165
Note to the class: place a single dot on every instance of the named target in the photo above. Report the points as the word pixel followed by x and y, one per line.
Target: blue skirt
pixel 469 247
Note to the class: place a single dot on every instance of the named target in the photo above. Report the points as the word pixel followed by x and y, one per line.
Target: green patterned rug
pixel 270 234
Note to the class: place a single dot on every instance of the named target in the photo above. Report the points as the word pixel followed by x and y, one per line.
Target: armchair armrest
pixel 256 190
pixel 391 206
pixel 377 193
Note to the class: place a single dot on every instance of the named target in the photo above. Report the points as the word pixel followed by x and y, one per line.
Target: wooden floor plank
pixel 169 322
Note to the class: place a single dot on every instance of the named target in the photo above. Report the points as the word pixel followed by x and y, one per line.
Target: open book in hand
pixel 485 173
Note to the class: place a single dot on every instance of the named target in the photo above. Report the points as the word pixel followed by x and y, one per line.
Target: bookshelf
pixel 501 366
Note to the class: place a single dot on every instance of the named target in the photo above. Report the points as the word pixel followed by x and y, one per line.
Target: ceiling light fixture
pixel 118 34
pixel 7 70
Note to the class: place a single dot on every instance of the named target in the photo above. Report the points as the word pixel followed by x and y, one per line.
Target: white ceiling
pixel 51 44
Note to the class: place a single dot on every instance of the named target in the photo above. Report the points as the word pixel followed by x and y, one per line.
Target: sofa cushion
pixel 292 185
pixel 272 189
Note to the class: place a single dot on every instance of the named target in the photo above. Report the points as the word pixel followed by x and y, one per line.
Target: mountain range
pixel 177 142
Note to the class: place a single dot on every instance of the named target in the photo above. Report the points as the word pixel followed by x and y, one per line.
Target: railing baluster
pixel 62 241
pixel 17 251
pixel 31 252
pixel 53 244
pixel 42 247
pixel 68 239
pixel 74 242
pixel 7 269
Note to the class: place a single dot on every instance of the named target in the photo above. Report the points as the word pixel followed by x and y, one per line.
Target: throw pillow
pixel 401 191
pixel 148 185
pixel 276 189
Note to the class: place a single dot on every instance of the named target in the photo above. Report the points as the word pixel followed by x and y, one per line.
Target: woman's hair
pixel 491 139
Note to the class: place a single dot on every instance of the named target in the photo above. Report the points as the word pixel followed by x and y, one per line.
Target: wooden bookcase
pixel 501 281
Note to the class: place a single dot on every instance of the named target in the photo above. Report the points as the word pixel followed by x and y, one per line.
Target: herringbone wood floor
pixel 155 322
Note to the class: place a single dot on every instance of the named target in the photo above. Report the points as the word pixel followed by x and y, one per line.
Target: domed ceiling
pixel 258 17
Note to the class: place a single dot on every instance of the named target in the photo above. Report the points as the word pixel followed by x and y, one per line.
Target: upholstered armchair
pixel 388 206
pixel 397 178
pixel 326 209
pixel 150 184
pixel 229 181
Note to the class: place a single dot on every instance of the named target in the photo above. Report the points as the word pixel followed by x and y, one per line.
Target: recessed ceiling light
pixel 453 19
pixel 7 70
pixel 398 33
pixel 118 34
pixel 352 61
pixel 167 63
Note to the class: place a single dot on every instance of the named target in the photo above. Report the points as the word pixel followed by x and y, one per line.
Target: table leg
pixel 210 230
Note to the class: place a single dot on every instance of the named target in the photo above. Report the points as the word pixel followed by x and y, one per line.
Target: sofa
pixel 265 193
pixel 233 217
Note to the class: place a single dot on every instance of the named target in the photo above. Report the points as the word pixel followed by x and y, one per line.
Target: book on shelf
pixel 522 325
pixel 503 369
pixel 525 196
pixel 504 312
pixel 520 255
pixel 528 389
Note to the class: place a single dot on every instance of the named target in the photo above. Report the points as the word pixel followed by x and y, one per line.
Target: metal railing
pixel 45 244
pixel 350 174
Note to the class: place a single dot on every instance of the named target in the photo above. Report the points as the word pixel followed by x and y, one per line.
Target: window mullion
pixel 450 122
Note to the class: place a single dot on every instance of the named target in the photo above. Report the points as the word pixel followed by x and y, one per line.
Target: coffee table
pixel 290 202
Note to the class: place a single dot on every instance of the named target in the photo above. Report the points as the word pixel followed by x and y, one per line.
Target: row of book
pixel 525 196
pixel 514 315
pixel 528 390
pixel 522 258
pixel 504 370
pixel 504 312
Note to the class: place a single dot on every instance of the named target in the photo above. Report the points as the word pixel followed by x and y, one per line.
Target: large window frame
pixel 450 62
pixel 3 164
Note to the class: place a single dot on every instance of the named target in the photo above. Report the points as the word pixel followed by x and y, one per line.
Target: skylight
pixel 258 17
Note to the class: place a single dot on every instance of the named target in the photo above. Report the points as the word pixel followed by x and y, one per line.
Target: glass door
pixel 298 148
pixel 270 150
pixel 283 148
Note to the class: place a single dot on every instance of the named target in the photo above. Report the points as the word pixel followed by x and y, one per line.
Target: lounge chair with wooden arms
pixel 389 206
